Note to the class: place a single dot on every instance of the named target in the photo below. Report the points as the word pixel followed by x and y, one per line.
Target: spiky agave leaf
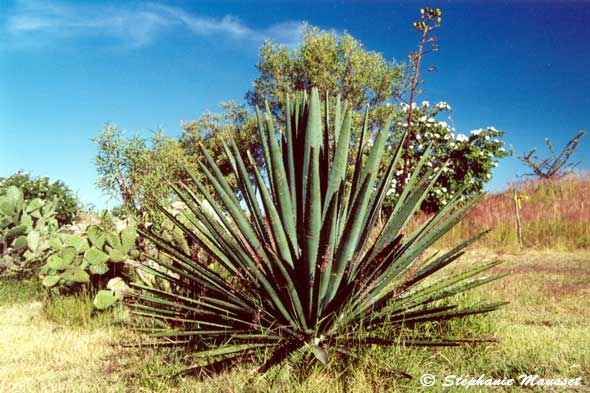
pixel 300 261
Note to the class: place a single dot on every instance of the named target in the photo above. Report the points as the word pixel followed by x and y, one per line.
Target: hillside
pixel 555 214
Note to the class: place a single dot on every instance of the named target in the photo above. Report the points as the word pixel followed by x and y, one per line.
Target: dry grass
pixel 40 356
pixel 555 215
pixel 543 331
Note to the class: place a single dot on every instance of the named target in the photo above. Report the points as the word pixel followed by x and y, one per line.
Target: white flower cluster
pixel 405 107
pixel 393 188
pixel 480 130
pixel 443 106
pixel 462 138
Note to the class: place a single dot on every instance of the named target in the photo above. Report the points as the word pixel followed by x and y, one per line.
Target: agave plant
pixel 298 258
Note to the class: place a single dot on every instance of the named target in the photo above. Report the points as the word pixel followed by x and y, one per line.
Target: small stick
pixel 518 223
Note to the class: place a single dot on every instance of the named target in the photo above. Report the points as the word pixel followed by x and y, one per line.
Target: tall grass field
pixel 555 214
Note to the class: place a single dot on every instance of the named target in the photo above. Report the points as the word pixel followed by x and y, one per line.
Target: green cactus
pixel 33 240
pixel 68 254
pixel 15 231
pixel 13 201
pixel 104 299
pixel 116 290
pixel 128 237
pixel 113 239
pixel 55 262
pixel 50 281
pixel 80 243
pixel 55 243
pixel 95 256
pixel 117 255
pixel 76 275
pixel 89 259
pixel 20 242
pixel 25 230
pixel 96 235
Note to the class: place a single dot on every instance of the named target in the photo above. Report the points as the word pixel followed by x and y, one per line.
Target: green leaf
pixel 99 268
pixel 55 243
pixel 68 254
pixel 128 236
pixel 117 255
pixel 50 281
pixel 78 242
pixel 33 239
pixel 35 204
pixel 96 235
pixel 113 239
pixel 76 274
pixel 56 263
pixel 104 299
pixel 20 242
pixel 6 207
pixel 320 354
pixel 27 220
pixel 14 199
pixel 95 256
pixel 16 231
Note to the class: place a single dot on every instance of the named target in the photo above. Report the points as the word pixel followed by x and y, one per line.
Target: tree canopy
pixel 333 63
pixel 337 64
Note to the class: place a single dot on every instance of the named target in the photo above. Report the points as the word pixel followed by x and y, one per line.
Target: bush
pixel 469 159
pixel 68 205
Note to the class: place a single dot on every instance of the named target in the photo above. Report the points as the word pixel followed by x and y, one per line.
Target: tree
pixel 334 64
pixel 211 130
pixel 330 62
pixel 341 64
pixel 556 165
pixel 136 171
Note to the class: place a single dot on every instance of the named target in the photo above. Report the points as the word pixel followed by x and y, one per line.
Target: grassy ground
pixel 58 346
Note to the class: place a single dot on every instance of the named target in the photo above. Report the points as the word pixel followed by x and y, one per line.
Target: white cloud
pixel 34 23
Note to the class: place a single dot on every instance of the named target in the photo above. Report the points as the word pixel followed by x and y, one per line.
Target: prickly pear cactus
pixel 26 228
pixel 93 258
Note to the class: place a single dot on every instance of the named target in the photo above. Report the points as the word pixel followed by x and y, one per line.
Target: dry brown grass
pixel 37 355
pixel 555 216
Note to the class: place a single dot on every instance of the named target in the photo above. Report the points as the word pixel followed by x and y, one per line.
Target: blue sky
pixel 67 68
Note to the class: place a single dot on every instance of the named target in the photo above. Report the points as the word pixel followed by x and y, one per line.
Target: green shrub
pixel 67 208
pixel 300 267
pixel 469 159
